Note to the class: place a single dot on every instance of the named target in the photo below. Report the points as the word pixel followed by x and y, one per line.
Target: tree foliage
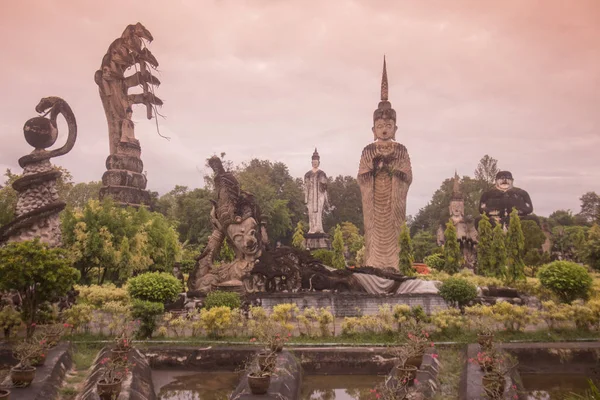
pixel 338 260
pixel 39 273
pixel 106 242
pixel 424 244
pixel 487 169
pixel 592 247
pixel 567 280
pixel 405 258
pixel 498 253
pixel 298 238
pixel 353 240
pixel 8 198
pixel 590 207
pixel 453 259
pixel 515 248
pixel 345 203
pixel 485 263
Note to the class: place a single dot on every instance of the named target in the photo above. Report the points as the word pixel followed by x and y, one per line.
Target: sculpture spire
pixel 315 155
pixel 384 82
pixel 456 193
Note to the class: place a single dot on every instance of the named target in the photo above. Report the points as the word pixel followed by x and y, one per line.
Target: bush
pixel 9 319
pixel 146 312
pixel 323 255
pixel 78 316
pixel 159 287
pixel 458 292
pixel 222 299
pixel 98 295
pixel 216 321
pixel 567 280
pixel 435 261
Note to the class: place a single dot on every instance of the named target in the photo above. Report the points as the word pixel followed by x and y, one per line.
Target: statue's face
pixel 315 163
pixel 384 129
pixel 504 183
pixel 245 236
pixel 457 208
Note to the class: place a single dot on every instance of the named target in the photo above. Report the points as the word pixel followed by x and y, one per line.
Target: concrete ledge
pixel 136 386
pixel 48 377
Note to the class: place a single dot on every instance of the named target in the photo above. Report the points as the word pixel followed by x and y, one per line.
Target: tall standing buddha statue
pixel 384 176
pixel 316 200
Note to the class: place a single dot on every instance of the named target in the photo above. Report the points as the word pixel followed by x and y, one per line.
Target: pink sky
pixel 516 79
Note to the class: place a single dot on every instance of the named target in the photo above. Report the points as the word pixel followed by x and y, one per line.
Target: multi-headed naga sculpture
pixel 124 180
pixel 38 203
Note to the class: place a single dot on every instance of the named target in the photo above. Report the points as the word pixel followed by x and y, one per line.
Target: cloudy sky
pixel 516 79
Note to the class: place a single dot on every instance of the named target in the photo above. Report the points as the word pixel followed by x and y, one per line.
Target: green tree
pixel 498 253
pixel 592 247
pixel 590 207
pixel 298 238
pixel 107 242
pixel 39 273
pixel 338 261
pixel 353 240
pixel 452 255
pixel 405 258
pixel 515 246
pixel 569 242
pixel 8 198
pixel 279 196
pixel 485 247
pixel 80 193
pixel 226 254
pixel 533 235
pixel 561 217
pixel 487 169
pixel 424 244
pixel 567 280
pixel 345 203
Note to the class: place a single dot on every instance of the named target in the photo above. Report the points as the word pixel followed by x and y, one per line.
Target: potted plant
pixel 112 374
pixel 483 325
pixel 267 360
pixel 23 373
pixel 40 346
pixel 494 380
pixel 52 333
pixel 123 343
pixel 259 379
pixel 273 335
pixel 4 394
pixel 404 370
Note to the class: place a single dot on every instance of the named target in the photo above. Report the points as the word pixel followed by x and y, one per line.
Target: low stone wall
pixel 136 386
pixel 48 377
pixel 349 304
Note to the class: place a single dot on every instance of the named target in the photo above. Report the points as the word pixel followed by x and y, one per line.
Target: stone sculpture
pixel 384 177
pixel 38 203
pixel 498 202
pixel 123 180
pixel 316 200
pixel 465 230
pixel 236 218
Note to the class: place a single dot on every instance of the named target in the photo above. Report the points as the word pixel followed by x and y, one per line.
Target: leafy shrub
pixel 323 255
pixel 159 287
pixel 515 318
pixel 555 314
pixel 283 314
pixel 458 292
pixel 9 319
pixel 146 312
pixel 567 280
pixel 435 261
pixel 216 320
pixel 98 295
pixel 32 263
pixel 448 321
pixel 78 316
pixel 222 299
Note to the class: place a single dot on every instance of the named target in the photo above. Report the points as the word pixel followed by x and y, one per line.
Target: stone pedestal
pixel 317 241
pixel 123 180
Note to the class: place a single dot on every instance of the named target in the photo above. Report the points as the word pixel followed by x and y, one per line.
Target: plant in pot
pixel 266 358
pixel 481 318
pixel 485 361
pixel 4 394
pixel 273 335
pixel 40 345
pixel 112 374
pixel 404 370
pixel 393 388
pixel 52 333
pixel 23 373
pixel 418 340
pixel 124 341
pixel 259 379
pixel 494 380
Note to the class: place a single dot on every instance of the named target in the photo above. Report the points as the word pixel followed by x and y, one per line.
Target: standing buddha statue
pixel 384 176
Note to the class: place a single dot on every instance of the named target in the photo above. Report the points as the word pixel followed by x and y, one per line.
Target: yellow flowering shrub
pixel 97 295
pixel 448 321
pixel 556 315
pixel 216 320
pixel 78 317
pixel 514 318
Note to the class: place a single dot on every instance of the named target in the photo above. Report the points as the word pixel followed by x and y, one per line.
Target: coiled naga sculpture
pixel 38 203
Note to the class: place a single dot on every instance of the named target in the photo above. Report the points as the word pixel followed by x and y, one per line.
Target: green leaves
pixel 154 286
pixel 405 258
pixel 338 260
pixel 452 254
pixel 567 280
pixel 458 292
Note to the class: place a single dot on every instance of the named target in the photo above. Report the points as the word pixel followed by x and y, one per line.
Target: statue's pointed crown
pixel 456 193
pixel 315 155
pixel 384 109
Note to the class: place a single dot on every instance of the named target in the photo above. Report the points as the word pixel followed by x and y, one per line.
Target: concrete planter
pixel 259 384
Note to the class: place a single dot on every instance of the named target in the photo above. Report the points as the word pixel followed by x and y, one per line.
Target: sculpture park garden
pixel 261 282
